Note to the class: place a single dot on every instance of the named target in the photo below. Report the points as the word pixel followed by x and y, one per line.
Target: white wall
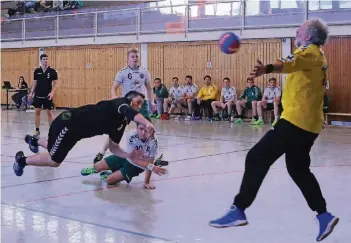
pixel 194 36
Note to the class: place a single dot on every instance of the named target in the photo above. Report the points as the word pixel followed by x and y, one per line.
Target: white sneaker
pixel 188 118
pixel 177 117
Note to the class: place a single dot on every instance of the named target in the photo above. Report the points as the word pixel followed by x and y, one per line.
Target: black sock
pixel 37 129
pixel 321 211
pixel 22 161
pixel 34 141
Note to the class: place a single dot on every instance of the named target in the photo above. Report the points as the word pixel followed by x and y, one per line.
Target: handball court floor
pixel 48 205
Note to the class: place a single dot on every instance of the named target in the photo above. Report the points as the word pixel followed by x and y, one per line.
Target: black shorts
pixel 270 106
pixel 61 139
pixel 42 103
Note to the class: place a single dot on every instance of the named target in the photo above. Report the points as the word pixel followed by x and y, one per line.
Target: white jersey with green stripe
pixel 148 146
pixel 133 79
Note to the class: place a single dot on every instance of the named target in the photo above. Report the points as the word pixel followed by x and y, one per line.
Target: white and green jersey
pixel 149 146
pixel 133 80
pixel 190 90
pixel 272 93
pixel 176 92
pixel 228 93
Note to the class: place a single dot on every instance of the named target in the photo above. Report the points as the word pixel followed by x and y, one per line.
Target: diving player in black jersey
pixel 106 117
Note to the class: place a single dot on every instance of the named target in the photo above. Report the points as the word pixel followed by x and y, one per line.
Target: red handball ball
pixel 229 43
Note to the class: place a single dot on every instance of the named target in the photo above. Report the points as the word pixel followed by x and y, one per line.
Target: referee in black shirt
pixel 43 91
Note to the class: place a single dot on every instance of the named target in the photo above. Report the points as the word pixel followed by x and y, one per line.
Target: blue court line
pixel 90 223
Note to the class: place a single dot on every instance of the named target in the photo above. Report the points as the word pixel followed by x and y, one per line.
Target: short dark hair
pixel 189 76
pixel 272 79
pixel 249 79
pixel 147 118
pixel 208 76
pixel 132 94
pixel 42 56
pixel 175 78
pixel 226 78
pixel 157 79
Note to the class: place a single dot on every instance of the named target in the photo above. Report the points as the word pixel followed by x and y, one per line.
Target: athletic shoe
pixel 216 118
pixel 153 115
pixel 327 222
pixel 234 217
pixel 253 121
pixel 98 157
pixel 259 122
pixel 29 140
pixel 239 121
pixel 17 168
pixel 105 174
pixel 88 171
pixel 188 118
pixel 158 116
pixel 275 122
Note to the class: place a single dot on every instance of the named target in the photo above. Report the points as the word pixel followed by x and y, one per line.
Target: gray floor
pixel 207 161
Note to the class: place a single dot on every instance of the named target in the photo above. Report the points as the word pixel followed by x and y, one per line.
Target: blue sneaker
pixel 327 222
pixel 235 217
pixel 16 166
pixel 29 139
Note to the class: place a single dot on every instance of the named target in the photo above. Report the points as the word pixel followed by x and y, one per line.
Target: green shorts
pixel 127 169
pixel 145 109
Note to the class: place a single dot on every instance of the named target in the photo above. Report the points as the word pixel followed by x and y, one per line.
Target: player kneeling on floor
pixel 106 117
pixel 125 169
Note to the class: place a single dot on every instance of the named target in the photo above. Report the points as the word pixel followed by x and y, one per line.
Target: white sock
pixel 276 118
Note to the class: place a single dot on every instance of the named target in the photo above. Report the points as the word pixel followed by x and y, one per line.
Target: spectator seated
pixel 175 100
pixel 160 94
pixel 226 102
pixel 270 101
pixel 248 100
pixel 190 91
pixel 206 96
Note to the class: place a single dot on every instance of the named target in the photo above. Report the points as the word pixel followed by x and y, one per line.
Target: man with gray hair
pixel 295 133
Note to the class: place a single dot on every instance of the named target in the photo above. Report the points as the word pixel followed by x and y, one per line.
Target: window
pixel 223 9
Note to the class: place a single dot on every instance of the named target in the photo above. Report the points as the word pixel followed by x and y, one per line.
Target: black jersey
pixel 106 117
pixel 44 81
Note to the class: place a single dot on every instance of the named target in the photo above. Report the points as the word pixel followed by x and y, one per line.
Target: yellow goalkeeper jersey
pixel 304 87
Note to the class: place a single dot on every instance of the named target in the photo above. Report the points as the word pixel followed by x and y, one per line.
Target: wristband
pixel 269 68
pixel 150 167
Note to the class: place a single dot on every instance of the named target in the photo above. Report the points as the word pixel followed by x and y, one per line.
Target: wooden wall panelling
pixel 191 58
pixel 16 63
pixel 86 73
pixel 337 51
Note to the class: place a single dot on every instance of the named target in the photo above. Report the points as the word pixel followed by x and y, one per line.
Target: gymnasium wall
pixel 166 60
pixel 16 63
pixel 86 72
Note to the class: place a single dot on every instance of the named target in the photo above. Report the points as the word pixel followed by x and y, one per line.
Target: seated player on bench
pixel 125 169
pixel 226 102
pixel 270 101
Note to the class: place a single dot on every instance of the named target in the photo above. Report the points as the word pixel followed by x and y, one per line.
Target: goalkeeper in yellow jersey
pixel 294 134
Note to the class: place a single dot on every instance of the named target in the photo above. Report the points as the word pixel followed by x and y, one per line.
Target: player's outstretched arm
pixel 147 184
pixel 117 150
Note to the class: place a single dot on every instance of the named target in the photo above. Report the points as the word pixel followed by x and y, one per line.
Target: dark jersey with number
pixel 106 117
pixel 44 81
